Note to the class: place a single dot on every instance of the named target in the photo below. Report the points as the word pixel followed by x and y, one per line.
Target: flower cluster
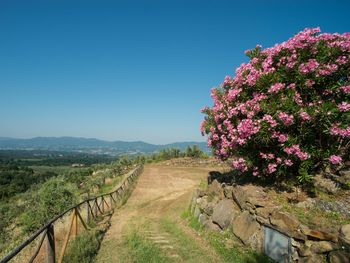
pixel 287 106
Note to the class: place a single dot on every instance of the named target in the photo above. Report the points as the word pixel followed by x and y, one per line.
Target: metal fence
pixel 81 215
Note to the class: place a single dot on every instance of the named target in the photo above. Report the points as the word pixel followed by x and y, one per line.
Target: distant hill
pixel 90 145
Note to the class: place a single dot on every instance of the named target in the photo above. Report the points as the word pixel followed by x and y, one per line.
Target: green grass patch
pixel 84 247
pixel 226 244
pixel 143 251
pixel 109 187
pixel 231 251
pixel 186 246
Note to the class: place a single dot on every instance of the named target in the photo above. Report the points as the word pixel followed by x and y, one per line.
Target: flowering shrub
pixel 286 111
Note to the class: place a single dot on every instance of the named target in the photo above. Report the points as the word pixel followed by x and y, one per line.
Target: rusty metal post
pixel 50 245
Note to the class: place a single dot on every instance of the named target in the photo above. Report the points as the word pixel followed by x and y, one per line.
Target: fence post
pixel 50 245
pixel 75 222
pixel 88 212
pixel 102 204
pixel 96 207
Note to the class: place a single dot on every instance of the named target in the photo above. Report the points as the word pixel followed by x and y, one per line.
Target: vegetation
pixel 170 153
pixel 84 247
pixel 226 244
pixel 50 199
pixel 31 195
pixel 286 113
pixel 16 179
pixel 143 251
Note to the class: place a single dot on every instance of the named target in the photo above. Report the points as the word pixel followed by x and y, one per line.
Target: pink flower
pixel 344 106
pixel 203 127
pixel 335 130
pixel 271 168
pixel 276 87
pixel 255 171
pixel 247 128
pixel 288 162
pixel 240 165
pixel 335 159
pixel 270 120
pixel 345 89
pixel 286 119
pixel 309 83
pixel 227 80
pixel 233 93
pixel 295 149
pixel 304 116
pixel 281 137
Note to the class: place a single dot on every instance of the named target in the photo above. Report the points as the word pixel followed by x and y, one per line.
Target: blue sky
pixel 133 70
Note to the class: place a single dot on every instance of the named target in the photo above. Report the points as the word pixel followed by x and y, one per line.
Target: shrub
pixel 52 198
pixel 286 111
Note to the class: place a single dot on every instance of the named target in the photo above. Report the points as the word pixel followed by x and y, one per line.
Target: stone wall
pixel 246 210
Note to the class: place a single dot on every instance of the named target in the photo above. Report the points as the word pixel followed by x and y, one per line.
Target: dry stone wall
pixel 246 210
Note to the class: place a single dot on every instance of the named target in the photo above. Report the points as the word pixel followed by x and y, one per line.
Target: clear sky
pixel 133 70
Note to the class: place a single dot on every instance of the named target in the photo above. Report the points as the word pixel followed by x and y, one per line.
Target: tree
pixel 286 112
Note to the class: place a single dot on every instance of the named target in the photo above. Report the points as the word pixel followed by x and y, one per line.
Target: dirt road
pixel 153 211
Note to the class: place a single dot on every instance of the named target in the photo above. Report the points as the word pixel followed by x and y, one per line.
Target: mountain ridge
pixel 91 145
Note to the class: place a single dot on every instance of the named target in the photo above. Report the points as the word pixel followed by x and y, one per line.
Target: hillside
pixel 90 145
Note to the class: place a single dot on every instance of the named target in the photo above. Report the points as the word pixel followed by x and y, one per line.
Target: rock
pixel 345 173
pixel 209 208
pixel 247 230
pixel 325 184
pixel 212 227
pixel 201 193
pixel 344 234
pixel 265 212
pixel 215 189
pixel 314 258
pixel 295 255
pixel 202 219
pixel 228 192
pixel 319 235
pixel 262 220
pixel 202 202
pixel 252 194
pixel 304 251
pixel 223 213
pixel 323 247
pixel 339 257
pixel 284 221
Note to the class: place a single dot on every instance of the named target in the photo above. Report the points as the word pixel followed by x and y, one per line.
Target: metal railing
pixel 94 207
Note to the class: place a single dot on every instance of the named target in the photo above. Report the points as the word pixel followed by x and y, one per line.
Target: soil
pixel 162 192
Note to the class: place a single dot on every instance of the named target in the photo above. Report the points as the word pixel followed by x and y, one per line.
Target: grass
pixel 226 244
pixel 138 249
pixel 186 246
pixel 84 247
pixel 109 187
pixel 315 216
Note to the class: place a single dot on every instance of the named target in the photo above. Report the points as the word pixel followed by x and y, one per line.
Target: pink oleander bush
pixel 285 113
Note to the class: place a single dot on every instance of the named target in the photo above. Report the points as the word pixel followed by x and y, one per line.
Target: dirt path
pixel 153 210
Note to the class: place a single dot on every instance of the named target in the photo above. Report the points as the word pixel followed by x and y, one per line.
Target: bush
pixel 286 112
pixel 52 198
